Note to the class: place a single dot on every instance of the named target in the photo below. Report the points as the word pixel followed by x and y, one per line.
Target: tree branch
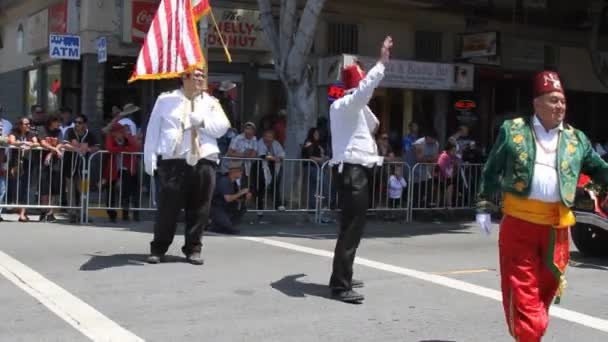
pixel 270 31
pixel 304 38
pixel 287 28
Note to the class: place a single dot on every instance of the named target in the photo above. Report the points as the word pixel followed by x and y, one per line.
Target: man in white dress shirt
pixel 181 146
pixel 353 126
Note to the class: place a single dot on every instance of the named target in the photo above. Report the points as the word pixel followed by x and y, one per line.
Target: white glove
pixel 485 222
pixel 194 120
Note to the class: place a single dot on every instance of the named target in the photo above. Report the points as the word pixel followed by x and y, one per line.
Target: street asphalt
pixel 269 284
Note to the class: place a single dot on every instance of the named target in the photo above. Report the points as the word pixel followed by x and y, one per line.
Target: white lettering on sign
pixel 64 47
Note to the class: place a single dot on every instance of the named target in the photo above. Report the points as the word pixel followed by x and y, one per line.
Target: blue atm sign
pixel 62 46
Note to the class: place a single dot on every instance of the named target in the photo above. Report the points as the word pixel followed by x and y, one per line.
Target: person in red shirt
pixel 120 173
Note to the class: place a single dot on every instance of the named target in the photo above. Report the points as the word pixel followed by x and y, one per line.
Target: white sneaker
pixel 281 208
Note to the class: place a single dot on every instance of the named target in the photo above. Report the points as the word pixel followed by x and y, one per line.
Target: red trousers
pixel 532 259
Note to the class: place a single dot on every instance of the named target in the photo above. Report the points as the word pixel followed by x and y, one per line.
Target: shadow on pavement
pixel 300 226
pixel 577 260
pixel 100 262
pixel 292 287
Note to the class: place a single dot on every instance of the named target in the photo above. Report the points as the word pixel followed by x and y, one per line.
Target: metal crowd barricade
pixel 430 190
pixel 381 201
pixel 31 178
pixel 113 185
pixel 290 185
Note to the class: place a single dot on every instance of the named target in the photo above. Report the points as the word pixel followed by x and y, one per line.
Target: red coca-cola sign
pixel 58 14
pixel 141 18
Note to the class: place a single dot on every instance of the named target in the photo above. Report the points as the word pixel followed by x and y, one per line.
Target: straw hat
pixel 227 85
pixel 129 109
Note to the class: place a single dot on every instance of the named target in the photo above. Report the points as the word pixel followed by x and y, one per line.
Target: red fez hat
pixel 351 76
pixel 547 82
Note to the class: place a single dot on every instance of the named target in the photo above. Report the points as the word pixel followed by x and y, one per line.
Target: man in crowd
pixel 123 118
pixel 229 203
pixel 426 150
pixel 535 163
pixel 80 143
pixel 269 182
pixel 353 126
pixel 245 145
pixel 65 114
pixel 5 129
pixel 181 145
pixel 38 119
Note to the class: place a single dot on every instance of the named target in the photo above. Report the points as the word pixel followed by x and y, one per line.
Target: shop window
pixel 343 38
pixel 53 88
pixel 428 45
pixel 31 89
pixel 20 37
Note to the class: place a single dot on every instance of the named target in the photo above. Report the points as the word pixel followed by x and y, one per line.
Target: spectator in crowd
pixel 447 165
pixel 120 174
pixel 313 150
pixel 408 144
pixel 65 114
pixel 602 149
pixel 396 185
pixel 460 139
pixel 279 126
pixel 81 143
pixel 50 140
pixel 38 119
pixel 384 148
pixel 228 204
pixel 245 145
pixel 426 150
pixel 5 130
pixel 19 164
pixel 123 118
pixel 272 154
pixel 222 93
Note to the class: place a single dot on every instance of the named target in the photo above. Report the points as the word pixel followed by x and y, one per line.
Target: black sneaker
pixel 347 296
pixel 356 283
pixel 51 218
pixel 195 258
pixel 154 259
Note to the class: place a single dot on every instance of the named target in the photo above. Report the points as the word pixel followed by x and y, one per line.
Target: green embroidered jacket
pixel 510 165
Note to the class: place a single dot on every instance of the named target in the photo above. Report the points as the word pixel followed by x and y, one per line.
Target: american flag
pixel 200 8
pixel 172 44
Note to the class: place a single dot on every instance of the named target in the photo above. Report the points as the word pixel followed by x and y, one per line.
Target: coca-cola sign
pixel 141 18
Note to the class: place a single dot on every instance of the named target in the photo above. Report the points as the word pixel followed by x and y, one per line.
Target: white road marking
pixel 74 311
pixel 556 311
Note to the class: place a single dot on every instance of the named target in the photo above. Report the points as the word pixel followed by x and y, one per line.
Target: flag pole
pixel 203 28
pixel 219 33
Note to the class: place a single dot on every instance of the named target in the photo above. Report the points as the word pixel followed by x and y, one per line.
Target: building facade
pixel 451 66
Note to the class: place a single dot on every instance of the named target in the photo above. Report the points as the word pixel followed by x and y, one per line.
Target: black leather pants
pixel 354 186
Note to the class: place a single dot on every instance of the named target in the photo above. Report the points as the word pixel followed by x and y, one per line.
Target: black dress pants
pixel 187 187
pixel 354 185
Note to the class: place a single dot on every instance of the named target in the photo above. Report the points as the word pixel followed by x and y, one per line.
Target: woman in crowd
pixel 447 162
pixel 19 164
pixel 121 171
pixel 50 139
pixel 312 150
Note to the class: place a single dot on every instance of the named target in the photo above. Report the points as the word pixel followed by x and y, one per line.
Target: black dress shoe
pixel 347 296
pixel 229 231
pixel 356 283
pixel 195 258
pixel 154 259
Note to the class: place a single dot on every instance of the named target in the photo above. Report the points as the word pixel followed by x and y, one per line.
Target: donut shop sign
pixel 241 29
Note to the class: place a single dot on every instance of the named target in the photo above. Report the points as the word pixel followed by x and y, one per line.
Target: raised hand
pixel 385 51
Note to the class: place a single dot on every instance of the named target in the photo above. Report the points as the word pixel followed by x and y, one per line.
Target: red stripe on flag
pixel 170 42
pixel 194 38
pixel 159 45
pixel 147 62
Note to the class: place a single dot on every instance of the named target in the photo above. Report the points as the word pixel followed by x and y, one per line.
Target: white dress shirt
pixel 353 123
pixel 545 181
pixel 168 124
